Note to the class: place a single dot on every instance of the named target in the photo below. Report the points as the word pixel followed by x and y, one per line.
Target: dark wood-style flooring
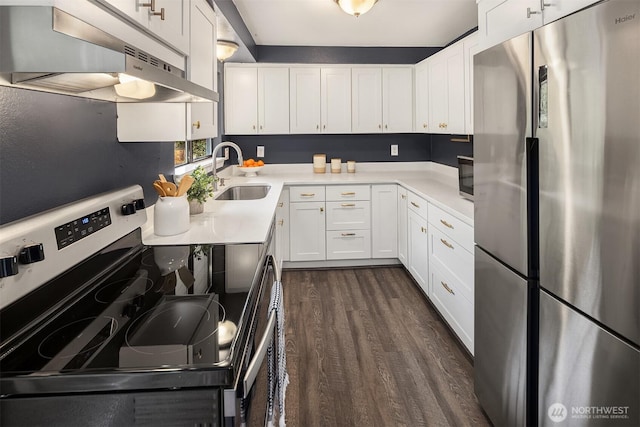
pixel 365 348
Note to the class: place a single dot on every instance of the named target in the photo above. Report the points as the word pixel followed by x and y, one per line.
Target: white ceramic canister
pixel 171 216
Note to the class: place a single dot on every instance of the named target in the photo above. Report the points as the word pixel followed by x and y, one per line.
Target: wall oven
pixel 465 176
pixel 98 329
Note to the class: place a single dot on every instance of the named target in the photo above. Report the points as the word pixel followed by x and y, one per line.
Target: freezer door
pixel 500 364
pixel 588 377
pixel 586 70
pixel 502 122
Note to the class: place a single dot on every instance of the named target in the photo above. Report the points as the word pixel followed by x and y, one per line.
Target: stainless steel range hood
pixel 44 48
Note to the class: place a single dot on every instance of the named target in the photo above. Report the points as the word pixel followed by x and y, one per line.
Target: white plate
pixel 250 171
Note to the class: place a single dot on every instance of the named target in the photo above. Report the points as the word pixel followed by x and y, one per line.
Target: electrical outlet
pixel 260 151
pixel 394 150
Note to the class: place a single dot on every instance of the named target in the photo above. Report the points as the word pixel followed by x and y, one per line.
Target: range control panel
pixel 82 227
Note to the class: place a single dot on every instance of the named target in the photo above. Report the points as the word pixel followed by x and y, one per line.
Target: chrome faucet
pixel 214 154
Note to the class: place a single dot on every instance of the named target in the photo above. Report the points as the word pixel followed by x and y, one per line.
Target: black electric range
pixel 156 332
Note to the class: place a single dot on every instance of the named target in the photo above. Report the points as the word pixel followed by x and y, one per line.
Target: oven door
pixel 251 395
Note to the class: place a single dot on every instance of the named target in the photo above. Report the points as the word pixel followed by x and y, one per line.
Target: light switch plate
pixel 394 150
pixel 260 151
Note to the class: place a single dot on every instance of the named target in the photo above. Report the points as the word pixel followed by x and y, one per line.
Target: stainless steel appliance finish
pixel 502 122
pixel 500 363
pixel 583 210
pixel 465 176
pixel 244 192
pixel 586 70
pixel 593 374
pixel 45 48
pixel 504 302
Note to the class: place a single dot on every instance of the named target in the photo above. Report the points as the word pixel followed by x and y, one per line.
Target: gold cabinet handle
pixel 151 4
pixel 423 229
pixel 385 126
pixel 447 244
pixel 446 224
pixel 424 125
pixel 403 196
pixel 307 194
pixel 532 12
pixel 379 126
pixel 196 124
pixel 281 222
pixel 324 126
pixel 444 285
pixel 281 204
pixel 260 127
pixel 348 234
pixel 348 205
pixel 348 193
pixel 321 209
pixel 416 205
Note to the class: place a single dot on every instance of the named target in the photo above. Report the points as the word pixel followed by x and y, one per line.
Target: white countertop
pixel 248 221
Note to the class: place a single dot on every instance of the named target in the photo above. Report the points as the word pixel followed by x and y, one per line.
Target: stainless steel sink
pixel 244 192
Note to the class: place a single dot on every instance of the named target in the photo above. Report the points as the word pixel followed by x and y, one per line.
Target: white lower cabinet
pixel 281 251
pixel 403 226
pixel 307 231
pixel 384 220
pixel 418 249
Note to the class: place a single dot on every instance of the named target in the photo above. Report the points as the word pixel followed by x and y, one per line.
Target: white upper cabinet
pixel 446 90
pixel 256 100
pixel 320 99
pixel 382 99
pixel 168 20
pixel 335 100
pixel 304 99
pixel 422 97
pixel 500 20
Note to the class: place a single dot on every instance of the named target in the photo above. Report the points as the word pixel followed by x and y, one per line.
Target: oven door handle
pixel 276 268
pixel 261 351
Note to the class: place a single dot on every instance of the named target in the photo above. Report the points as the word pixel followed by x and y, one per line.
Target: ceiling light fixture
pixel 356 7
pixel 225 49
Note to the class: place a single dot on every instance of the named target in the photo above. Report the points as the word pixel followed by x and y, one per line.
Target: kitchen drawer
pixel 349 215
pixel 417 204
pixel 306 194
pixel 453 227
pixel 348 192
pixel 349 244
pixel 452 255
pixel 452 305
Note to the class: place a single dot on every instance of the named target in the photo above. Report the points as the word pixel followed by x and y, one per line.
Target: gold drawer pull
pixel 424 230
pixel 444 285
pixel 447 244
pixel 281 222
pixel 281 204
pixel 348 193
pixel 416 205
pixel 446 224
pixel 321 209
pixel 307 194
pixel 403 196
pixel 348 205
pixel 348 234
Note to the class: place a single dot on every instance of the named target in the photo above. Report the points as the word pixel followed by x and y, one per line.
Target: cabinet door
pixel 366 97
pixel 350 215
pixel 455 90
pixel 307 231
pixel 402 226
pixel 384 221
pixel 438 108
pixel 131 9
pixel 241 100
pixel 304 100
pixel 174 29
pixel 335 100
pixel 282 228
pixel 500 20
pixel 418 250
pixel 422 97
pixel 397 99
pixel 273 100
pixel 560 8
pixel 202 69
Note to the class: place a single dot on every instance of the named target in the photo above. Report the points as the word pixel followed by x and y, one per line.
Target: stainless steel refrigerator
pixel 557 222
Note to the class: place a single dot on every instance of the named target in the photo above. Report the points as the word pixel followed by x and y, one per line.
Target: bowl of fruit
pixel 251 167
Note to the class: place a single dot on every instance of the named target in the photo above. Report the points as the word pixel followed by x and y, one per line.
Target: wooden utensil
pixel 185 184
pixel 162 178
pixel 159 189
pixel 169 188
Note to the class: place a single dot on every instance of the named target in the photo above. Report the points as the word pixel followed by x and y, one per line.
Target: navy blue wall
pixel 56 149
